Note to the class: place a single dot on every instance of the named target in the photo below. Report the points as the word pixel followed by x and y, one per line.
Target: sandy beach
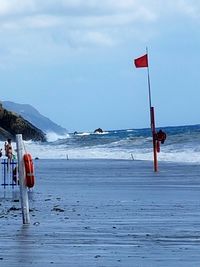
pixel 104 213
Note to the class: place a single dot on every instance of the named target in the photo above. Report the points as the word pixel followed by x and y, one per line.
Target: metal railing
pixel 9 173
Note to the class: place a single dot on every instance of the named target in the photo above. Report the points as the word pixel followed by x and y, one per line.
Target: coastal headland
pixel 11 124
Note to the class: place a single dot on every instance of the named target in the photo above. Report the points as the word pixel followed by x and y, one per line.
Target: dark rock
pixel 97 256
pixel 36 223
pixel 13 208
pixel 99 130
pixel 12 124
pixel 58 209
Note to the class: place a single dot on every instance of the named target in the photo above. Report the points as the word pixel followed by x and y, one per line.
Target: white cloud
pixel 102 17
pixel 14 7
pixel 33 22
pixel 189 8
pixel 82 23
pixel 91 37
pixel 147 8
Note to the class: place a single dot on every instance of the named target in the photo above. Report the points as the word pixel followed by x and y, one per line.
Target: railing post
pixel 22 184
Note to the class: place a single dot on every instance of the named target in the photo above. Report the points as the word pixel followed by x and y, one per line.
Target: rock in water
pixel 99 130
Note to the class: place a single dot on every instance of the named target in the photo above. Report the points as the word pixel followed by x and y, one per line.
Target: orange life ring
pixel 29 170
pixel 158 146
pixel 161 136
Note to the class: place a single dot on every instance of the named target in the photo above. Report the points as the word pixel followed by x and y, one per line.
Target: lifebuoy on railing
pixel 29 170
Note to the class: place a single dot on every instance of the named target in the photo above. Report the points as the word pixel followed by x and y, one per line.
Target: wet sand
pixel 104 213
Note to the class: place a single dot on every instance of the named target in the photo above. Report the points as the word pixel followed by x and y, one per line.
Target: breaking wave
pixel 182 145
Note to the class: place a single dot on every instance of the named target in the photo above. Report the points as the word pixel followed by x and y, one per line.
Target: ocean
pixel 182 145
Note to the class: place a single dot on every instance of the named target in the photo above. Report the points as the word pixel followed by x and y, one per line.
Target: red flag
pixel 141 62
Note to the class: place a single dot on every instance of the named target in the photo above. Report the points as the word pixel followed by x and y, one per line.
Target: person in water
pixel 8 149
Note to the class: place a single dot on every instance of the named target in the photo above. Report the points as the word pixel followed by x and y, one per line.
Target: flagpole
pixel 152 120
pixel 149 86
pixel 153 130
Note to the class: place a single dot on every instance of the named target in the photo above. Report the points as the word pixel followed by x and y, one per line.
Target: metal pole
pixel 22 184
pixel 149 87
pixel 152 120
pixel 153 129
pixel 4 173
pixel 149 84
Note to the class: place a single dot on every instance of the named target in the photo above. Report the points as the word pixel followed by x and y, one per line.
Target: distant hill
pixel 11 124
pixel 31 114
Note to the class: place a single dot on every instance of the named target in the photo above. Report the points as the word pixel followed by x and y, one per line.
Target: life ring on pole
pixel 29 170
pixel 158 146
pixel 161 136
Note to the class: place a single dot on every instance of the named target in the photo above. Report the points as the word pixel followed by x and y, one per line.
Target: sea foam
pixel 182 145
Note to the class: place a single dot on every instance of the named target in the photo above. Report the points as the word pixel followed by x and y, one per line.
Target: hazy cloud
pixel 148 9
pixel 84 23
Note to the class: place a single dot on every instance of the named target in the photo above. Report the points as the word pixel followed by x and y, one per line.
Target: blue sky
pixel 73 60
